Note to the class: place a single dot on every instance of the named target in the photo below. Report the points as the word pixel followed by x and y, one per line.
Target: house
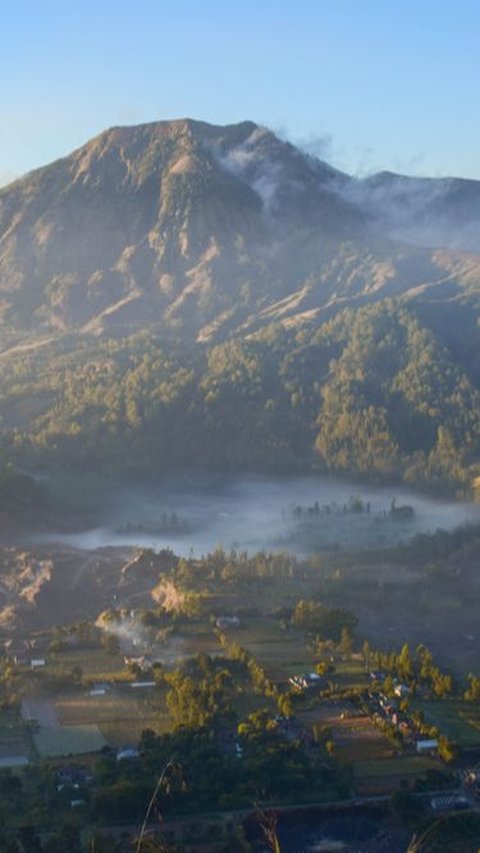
pixel 226 622
pixel 427 745
pixel 377 675
pixel 306 681
pixel 142 661
pixel 72 777
pixel 449 802
pixel 127 752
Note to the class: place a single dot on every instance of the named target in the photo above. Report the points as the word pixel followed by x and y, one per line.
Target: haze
pixel 258 513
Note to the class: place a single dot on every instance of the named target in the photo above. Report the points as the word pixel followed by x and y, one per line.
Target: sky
pixel 365 84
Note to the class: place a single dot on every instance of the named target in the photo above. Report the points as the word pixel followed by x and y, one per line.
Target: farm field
pixel 357 740
pixel 386 774
pixel 93 663
pixel 190 640
pixel 53 741
pixel 459 721
pixel 351 674
pixel 121 714
pixel 280 653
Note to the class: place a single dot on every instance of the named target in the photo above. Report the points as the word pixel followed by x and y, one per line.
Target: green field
pixel 403 766
pixel 121 714
pixel 95 663
pixel 281 653
pixel 350 674
pixel 358 750
pixel 452 720
pixel 53 741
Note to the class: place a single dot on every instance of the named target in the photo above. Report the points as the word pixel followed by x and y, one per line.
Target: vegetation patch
pixel 68 740
pixel 451 718
pixel 13 738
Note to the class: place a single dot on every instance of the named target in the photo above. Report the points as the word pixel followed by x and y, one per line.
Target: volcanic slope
pixel 206 231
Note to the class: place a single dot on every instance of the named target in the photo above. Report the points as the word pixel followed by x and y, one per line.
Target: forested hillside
pixel 372 393
pixel 180 295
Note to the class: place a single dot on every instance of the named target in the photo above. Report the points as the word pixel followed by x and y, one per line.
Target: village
pixel 92 693
pixel 224 645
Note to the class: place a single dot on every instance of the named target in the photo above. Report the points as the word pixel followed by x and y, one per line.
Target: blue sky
pixel 368 84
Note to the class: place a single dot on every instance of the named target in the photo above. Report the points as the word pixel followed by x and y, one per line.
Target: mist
pixel 425 212
pixel 301 515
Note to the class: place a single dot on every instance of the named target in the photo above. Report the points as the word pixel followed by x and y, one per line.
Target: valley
pixel 101 649
pixel 239 472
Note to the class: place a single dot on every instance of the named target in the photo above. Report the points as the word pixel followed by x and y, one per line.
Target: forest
pixel 373 393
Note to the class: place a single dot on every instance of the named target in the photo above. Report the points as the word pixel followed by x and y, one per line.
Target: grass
pixel 119 732
pixel 281 653
pixel 401 766
pixel 452 720
pixel 360 751
pixel 350 674
pixel 53 741
pixel 121 714
pixel 95 663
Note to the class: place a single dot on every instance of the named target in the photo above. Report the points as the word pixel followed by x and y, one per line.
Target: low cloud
pixel 318 146
pixel 247 162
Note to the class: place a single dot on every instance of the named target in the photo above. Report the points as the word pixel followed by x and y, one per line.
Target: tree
pixel 405 663
pixel 472 693
pixel 346 644
pixel 447 750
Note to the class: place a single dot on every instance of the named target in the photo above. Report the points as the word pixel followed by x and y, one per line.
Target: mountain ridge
pixel 202 228
pixel 180 294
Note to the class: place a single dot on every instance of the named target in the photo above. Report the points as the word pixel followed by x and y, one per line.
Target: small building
pixel 427 745
pixel 37 663
pixel 377 675
pixel 142 661
pixel 226 622
pixel 72 776
pixel 127 752
pixel 99 689
pixel 306 681
pixel 448 802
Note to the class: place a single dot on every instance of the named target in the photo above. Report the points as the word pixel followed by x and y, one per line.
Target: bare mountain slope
pixel 203 229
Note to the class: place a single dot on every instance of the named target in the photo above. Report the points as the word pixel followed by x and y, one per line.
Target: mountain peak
pixel 175 129
pixel 189 225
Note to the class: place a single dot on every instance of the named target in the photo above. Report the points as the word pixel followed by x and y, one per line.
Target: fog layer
pixel 192 516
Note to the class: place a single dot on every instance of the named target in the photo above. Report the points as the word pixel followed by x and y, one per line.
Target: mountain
pixel 206 230
pixel 177 295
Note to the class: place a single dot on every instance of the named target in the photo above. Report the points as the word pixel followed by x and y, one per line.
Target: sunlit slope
pixel 180 295
pixel 372 392
pixel 206 230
